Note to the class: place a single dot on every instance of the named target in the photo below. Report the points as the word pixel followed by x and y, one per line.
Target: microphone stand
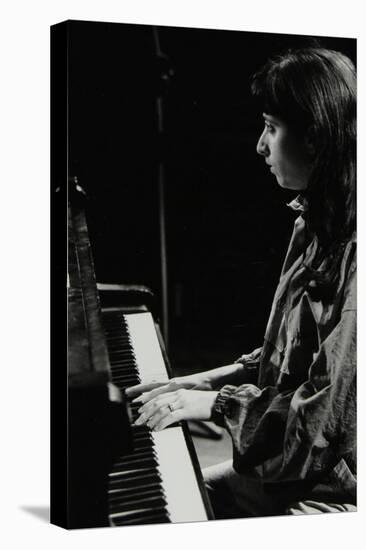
pixel 164 74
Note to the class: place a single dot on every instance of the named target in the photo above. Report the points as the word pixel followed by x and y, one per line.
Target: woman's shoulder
pixel 350 254
pixel 349 274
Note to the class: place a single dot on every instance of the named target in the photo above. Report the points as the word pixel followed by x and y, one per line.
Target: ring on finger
pixel 170 407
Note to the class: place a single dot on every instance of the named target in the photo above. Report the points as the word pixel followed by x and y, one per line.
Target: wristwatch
pixel 222 406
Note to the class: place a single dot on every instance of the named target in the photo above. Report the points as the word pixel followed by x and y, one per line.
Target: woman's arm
pixel 244 370
pixel 303 433
pixel 189 397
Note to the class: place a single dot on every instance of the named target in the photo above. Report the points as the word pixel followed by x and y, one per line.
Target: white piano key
pixel 146 347
pixel 179 480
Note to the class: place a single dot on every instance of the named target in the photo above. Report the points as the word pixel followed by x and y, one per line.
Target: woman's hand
pixel 146 392
pixel 170 407
pixel 208 381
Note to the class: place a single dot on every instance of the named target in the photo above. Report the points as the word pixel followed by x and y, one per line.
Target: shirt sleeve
pixel 298 435
pixel 250 363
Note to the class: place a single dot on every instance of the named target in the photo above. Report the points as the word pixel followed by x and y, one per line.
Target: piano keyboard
pixel 156 483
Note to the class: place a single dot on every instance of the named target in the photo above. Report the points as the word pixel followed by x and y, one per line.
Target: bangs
pixel 274 91
pixel 268 90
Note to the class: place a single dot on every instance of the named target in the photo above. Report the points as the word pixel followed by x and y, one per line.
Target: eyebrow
pixel 269 117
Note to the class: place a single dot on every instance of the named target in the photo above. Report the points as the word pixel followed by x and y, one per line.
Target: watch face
pixel 223 405
pixel 229 408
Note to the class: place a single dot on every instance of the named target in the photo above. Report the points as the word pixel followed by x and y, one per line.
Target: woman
pixel 290 406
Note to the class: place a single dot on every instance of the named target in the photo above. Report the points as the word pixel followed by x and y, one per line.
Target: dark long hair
pixel 313 90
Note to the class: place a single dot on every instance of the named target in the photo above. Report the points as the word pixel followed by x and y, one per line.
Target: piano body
pixel 105 471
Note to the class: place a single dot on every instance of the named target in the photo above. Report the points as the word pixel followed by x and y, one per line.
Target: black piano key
pixel 126 379
pixel 136 517
pixel 140 467
pixel 141 432
pixel 143 482
pixel 138 455
pixel 142 444
pixel 125 369
pixel 133 472
pixel 123 361
pixel 114 316
pixel 140 485
pixel 142 435
pixel 139 503
pixel 124 382
pixel 143 489
pixel 147 501
pixel 111 332
pixel 119 344
pixel 121 351
pixel 139 511
pixel 114 328
pixel 133 480
pixel 121 375
pixel 144 447
pixel 148 462
pixel 110 322
pixel 149 519
pixel 123 387
pixel 134 413
pixel 124 372
pixel 120 354
pixel 115 345
pixel 115 331
pixel 118 336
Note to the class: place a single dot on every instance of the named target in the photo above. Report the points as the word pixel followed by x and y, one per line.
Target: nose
pixel 262 147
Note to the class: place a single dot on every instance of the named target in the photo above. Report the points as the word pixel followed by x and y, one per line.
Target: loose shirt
pixel 296 427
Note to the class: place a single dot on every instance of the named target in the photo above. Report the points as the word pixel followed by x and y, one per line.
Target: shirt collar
pixel 299 204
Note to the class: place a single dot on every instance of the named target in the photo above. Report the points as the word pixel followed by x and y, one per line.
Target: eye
pixel 268 126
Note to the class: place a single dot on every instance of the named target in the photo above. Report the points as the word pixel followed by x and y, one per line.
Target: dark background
pixel 227 224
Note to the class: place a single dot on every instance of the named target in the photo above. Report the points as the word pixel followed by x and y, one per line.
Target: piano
pixel 116 473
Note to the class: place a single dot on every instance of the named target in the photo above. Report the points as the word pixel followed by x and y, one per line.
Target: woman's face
pixel 287 155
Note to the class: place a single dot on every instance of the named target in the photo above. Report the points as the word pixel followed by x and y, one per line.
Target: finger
pixel 148 396
pixel 150 406
pixel 144 397
pixel 176 416
pixel 163 417
pixel 142 388
pixel 163 389
pixel 160 406
pixel 159 416
pixel 141 398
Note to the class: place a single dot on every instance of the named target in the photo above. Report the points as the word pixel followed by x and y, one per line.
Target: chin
pixel 285 184
pixel 282 183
